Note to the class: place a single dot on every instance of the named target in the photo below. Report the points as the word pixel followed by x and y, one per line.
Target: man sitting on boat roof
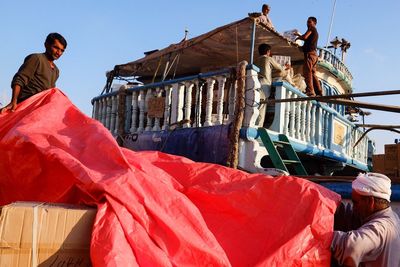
pixel 377 241
pixel 264 17
pixel 266 64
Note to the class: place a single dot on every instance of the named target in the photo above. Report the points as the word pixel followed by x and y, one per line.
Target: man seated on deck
pixel 266 64
pixel 377 241
pixel 38 72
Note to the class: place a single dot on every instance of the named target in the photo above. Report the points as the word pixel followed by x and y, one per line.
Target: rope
pixel 234 136
pixel 158 67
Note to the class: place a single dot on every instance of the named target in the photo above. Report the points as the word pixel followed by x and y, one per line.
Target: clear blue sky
pixel 101 34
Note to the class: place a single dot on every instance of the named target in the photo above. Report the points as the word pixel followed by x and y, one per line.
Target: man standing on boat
pixel 377 241
pixel 38 72
pixel 310 39
pixel 265 18
pixel 266 64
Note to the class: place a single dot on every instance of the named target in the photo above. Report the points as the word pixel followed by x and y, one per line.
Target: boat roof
pixel 222 47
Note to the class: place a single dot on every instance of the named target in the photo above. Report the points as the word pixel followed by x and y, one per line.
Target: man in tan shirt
pixel 376 243
pixel 266 64
pixel 38 72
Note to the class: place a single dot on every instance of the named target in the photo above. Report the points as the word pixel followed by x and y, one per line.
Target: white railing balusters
pixel 328 57
pixel 167 111
pixel 292 131
pixel 157 126
pixel 95 110
pixel 220 101
pixel 103 111
pixel 116 114
pixel 321 137
pixel 303 120
pixel 308 122
pixel 209 101
pixel 177 102
pixel 99 109
pixel 286 121
pixel 141 111
pixel 113 113
pixel 318 126
pixel 149 120
pixel 313 124
pixel 128 112
pixel 198 104
pixel 135 106
pixel 188 103
pixel 108 112
pixel 297 118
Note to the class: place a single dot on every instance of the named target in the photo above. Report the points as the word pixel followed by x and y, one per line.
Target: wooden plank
pixel 316 179
pixel 342 96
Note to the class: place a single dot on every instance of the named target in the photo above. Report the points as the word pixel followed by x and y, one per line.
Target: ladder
pixel 287 149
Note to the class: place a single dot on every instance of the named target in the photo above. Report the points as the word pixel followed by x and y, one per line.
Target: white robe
pixel 375 244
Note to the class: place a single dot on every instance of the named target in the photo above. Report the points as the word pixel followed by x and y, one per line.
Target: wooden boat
pixel 184 99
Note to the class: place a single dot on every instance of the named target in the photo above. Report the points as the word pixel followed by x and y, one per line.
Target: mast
pixel 331 24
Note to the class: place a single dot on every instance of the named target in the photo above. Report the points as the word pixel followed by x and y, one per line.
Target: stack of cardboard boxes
pixel 388 163
pixel 44 234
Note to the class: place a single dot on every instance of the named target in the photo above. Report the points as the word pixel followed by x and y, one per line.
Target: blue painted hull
pixel 204 144
pixel 344 189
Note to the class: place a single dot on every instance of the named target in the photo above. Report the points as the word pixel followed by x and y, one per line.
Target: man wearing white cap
pixel 377 241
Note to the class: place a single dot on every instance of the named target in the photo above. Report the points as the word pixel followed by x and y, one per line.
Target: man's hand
pixel 297 33
pixel 12 106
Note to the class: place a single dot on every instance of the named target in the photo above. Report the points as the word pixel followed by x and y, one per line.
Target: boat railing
pixel 180 100
pixel 317 124
pixel 327 56
pixel 209 99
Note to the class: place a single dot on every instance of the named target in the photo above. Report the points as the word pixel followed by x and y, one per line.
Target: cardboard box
pixel 378 163
pixel 42 234
pixel 392 157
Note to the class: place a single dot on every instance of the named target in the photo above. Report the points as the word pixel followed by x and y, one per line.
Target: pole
pixel 328 97
pixel 253 37
pixel 331 24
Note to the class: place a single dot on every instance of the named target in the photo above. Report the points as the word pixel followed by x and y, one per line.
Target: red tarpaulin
pixel 156 209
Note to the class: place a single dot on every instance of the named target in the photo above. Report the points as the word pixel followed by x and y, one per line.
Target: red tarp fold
pixel 156 209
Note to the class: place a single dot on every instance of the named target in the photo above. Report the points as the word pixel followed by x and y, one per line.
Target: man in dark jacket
pixel 310 39
pixel 38 72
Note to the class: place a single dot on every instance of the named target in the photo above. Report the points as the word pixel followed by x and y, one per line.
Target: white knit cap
pixel 373 184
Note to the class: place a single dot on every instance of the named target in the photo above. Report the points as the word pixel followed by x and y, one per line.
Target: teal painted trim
pixel 335 72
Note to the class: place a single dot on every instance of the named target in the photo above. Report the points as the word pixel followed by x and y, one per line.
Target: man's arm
pixel 275 65
pixel 13 104
pixel 21 78
pixel 304 36
pixel 351 248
